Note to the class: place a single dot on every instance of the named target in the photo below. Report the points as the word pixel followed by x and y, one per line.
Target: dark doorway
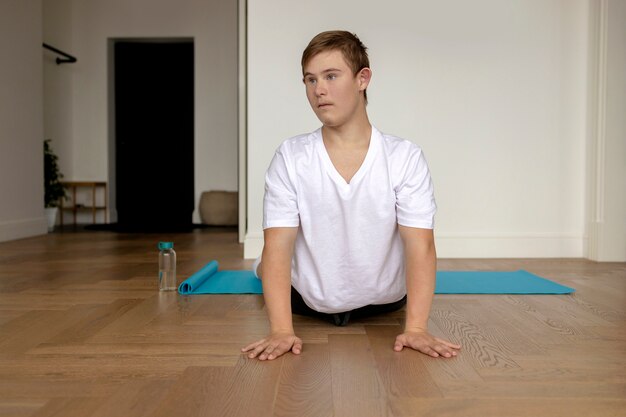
pixel 154 135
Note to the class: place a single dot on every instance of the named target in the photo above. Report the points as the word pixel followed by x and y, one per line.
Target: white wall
pixel 21 120
pixel 493 91
pixel 77 95
pixel 58 86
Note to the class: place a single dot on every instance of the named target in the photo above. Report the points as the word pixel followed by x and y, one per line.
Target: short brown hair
pixel 351 47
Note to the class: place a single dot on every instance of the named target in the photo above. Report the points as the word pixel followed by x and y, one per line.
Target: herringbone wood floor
pixel 84 332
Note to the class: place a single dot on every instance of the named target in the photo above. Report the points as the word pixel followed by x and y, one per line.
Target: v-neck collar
pixel 367 161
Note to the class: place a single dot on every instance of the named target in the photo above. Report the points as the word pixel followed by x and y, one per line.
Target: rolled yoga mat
pixel 209 280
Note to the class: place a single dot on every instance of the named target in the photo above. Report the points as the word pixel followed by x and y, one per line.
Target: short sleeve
pixel 280 204
pixel 415 198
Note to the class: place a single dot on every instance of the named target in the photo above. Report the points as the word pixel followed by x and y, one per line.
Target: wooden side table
pixel 94 185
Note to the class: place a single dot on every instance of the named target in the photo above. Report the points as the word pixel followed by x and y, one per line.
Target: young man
pixel 348 214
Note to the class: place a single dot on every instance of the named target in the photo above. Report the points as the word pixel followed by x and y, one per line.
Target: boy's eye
pixel 331 76
pixel 310 80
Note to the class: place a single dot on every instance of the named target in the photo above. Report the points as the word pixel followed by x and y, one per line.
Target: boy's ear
pixel 364 76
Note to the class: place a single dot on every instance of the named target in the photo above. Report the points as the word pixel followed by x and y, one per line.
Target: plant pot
pixel 219 208
pixel 51 215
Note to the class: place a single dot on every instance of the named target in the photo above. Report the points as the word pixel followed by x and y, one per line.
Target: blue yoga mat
pixel 210 280
pixel 495 282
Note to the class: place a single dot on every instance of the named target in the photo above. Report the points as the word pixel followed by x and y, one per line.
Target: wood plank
pixel 70 367
pixel 20 407
pixel 139 349
pixel 135 283
pixel 138 398
pixel 460 369
pixel 549 318
pixel 17 386
pixel 38 327
pixel 242 332
pixel 557 369
pixel 136 318
pixel 599 294
pixel 402 374
pixel 534 389
pixel 305 386
pixel 512 407
pixel 62 300
pixel 480 346
pixel 249 388
pixel 92 320
pixel 69 407
pixel 217 306
pixel 591 301
pixel 357 389
pixel 480 314
pixel 569 307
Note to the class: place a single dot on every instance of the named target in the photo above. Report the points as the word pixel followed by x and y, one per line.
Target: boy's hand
pixel 274 346
pixel 426 343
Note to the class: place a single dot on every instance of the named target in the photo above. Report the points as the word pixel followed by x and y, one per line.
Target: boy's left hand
pixel 424 342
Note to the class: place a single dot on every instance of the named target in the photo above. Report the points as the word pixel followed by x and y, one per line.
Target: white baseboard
pixel 607 242
pixel 253 245
pixel 481 246
pixel 19 229
pixel 510 246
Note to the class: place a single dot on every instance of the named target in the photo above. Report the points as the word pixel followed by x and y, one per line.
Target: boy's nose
pixel 320 88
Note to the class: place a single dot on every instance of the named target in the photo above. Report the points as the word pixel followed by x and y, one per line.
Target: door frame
pixel 242 117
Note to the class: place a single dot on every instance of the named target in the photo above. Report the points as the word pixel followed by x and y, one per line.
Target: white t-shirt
pixel 348 251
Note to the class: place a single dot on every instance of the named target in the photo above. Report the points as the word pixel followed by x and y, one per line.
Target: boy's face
pixel 334 93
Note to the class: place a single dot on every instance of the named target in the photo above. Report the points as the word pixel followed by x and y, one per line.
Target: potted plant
pixel 53 189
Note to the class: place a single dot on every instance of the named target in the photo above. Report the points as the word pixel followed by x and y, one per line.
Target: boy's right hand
pixel 274 345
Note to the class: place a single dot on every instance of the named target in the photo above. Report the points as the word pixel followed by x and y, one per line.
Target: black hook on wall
pixel 69 58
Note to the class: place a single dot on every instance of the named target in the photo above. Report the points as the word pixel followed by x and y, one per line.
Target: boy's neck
pixel 355 133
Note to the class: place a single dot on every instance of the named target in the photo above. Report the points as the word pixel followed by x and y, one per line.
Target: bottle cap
pixel 166 245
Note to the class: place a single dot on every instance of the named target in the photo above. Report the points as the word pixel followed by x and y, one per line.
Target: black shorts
pixel 298 306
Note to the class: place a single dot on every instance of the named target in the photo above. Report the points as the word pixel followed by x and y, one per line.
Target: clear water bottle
pixel 167 267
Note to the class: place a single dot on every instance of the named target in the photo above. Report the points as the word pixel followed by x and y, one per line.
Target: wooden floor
pixel 84 332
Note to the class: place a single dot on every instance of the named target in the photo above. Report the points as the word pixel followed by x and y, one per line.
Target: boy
pixel 348 214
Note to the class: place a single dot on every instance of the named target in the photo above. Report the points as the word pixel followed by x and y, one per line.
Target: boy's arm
pixel 276 279
pixel 276 272
pixel 421 267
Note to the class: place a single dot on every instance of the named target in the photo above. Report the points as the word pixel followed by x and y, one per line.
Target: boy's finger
pixel 276 353
pixel 442 350
pixel 257 350
pixel 399 344
pixel 252 345
pixel 447 343
pixel 428 351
